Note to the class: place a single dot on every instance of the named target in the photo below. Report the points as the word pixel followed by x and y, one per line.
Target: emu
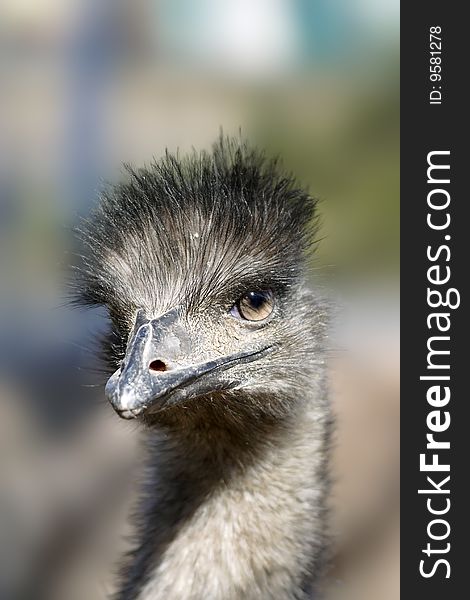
pixel 217 347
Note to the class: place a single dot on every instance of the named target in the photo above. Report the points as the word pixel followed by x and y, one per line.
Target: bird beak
pixel 154 369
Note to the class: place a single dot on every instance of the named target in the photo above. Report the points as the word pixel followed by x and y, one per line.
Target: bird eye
pixel 254 306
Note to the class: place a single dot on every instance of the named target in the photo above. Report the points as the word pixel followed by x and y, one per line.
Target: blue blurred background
pixel 87 85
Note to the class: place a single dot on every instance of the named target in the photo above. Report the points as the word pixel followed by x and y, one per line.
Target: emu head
pixel 201 263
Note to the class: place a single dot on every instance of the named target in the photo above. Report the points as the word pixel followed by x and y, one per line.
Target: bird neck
pixel 232 509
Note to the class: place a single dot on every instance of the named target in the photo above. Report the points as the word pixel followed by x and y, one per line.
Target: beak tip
pixel 129 414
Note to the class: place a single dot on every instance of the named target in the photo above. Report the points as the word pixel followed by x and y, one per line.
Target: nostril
pixel 157 365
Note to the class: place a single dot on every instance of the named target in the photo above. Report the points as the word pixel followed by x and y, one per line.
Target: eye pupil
pixel 256 299
pixel 254 306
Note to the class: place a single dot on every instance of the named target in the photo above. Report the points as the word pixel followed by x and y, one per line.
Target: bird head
pixel 201 263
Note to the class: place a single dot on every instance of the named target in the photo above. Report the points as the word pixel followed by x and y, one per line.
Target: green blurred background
pixel 87 85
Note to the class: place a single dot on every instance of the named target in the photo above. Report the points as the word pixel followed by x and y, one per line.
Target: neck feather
pixel 232 508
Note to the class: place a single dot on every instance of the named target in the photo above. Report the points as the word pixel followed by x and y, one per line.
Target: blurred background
pixel 87 85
